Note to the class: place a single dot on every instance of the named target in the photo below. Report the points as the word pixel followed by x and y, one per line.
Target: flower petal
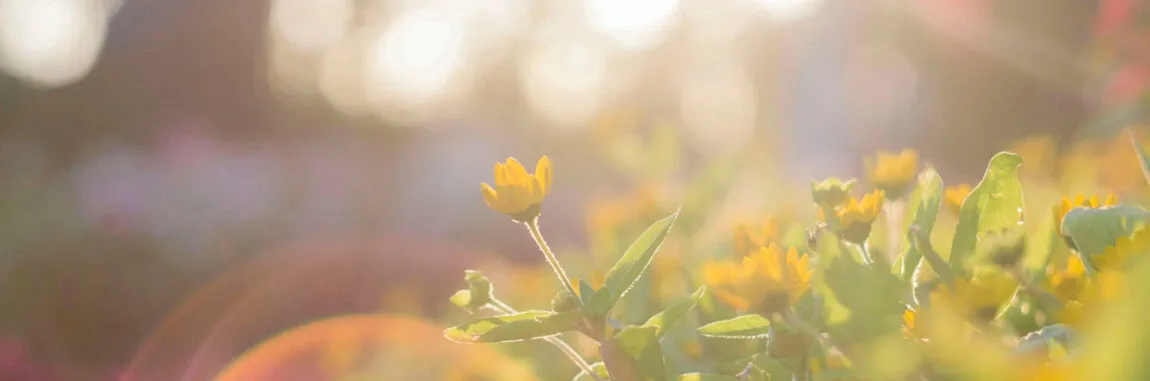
pixel 543 173
pixel 490 196
pixel 518 174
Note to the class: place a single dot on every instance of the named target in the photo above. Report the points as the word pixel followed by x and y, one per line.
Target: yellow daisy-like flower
pixel 1126 247
pixel 894 173
pixel 978 298
pixel 517 193
pixel 910 324
pixel 747 239
pixel 954 196
pixel 1080 294
pixel 855 217
pixel 765 282
pixel 831 191
pixel 1067 282
pixel 1064 207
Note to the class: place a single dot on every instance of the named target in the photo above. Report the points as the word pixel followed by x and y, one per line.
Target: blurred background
pixel 184 182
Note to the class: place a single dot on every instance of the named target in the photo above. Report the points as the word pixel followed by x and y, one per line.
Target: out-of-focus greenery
pixel 1033 273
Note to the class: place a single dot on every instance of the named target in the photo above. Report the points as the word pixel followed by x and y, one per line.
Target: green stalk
pixel 571 353
pixel 533 227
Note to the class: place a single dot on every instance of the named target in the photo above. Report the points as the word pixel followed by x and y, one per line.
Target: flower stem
pixel 894 214
pixel 800 374
pixel 533 227
pixel 793 319
pixel 571 353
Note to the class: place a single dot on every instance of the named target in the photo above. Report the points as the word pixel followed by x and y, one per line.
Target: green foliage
pixel 524 325
pixel 705 377
pixel 1039 340
pixel 871 295
pixel 741 327
pixel 600 370
pixel 629 267
pixel 930 184
pixel 1093 229
pixel 479 292
pixel 634 355
pixel 663 321
pixel 1143 156
pixel 994 204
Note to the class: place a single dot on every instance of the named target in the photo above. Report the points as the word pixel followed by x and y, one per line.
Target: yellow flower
pixel 517 193
pixel 1067 282
pixel 1064 207
pixel 597 280
pixel 831 192
pixel 747 239
pixel 855 217
pixel 909 324
pixel 1045 371
pixel 954 196
pixel 1126 247
pixel 894 173
pixel 765 282
pixel 978 298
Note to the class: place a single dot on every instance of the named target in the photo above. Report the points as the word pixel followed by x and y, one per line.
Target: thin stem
pixel 894 214
pixel 940 266
pixel 746 373
pixel 571 353
pixel 1048 300
pixel 800 374
pixel 533 227
pixel 795 321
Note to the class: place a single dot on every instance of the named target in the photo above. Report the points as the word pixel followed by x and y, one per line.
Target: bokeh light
pixel 310 25
pixel 417 58
pixel 717 103
pixel 565 78
pixel 633 24
pixel 788 10
pixel 51 43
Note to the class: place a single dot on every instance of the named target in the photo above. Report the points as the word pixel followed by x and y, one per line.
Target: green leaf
pixel 1094 229
pixel 924 216
pixel 828 249
pixel 705 377
pixel 871 295
pixel 631 266
pixel 1143 155
pixel 663 321
pixel 1039 341
pixel 600 370
pixel 742 327
pixel 634 355
pixel 994 204
pixel 524 325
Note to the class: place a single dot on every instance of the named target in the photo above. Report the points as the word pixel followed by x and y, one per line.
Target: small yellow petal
pixel 543 173
pixel 501 176
pixel 515 170
pixel 490 196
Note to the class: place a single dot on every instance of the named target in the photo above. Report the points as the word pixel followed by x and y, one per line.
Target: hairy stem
pixel 567 350
pixel 533 227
